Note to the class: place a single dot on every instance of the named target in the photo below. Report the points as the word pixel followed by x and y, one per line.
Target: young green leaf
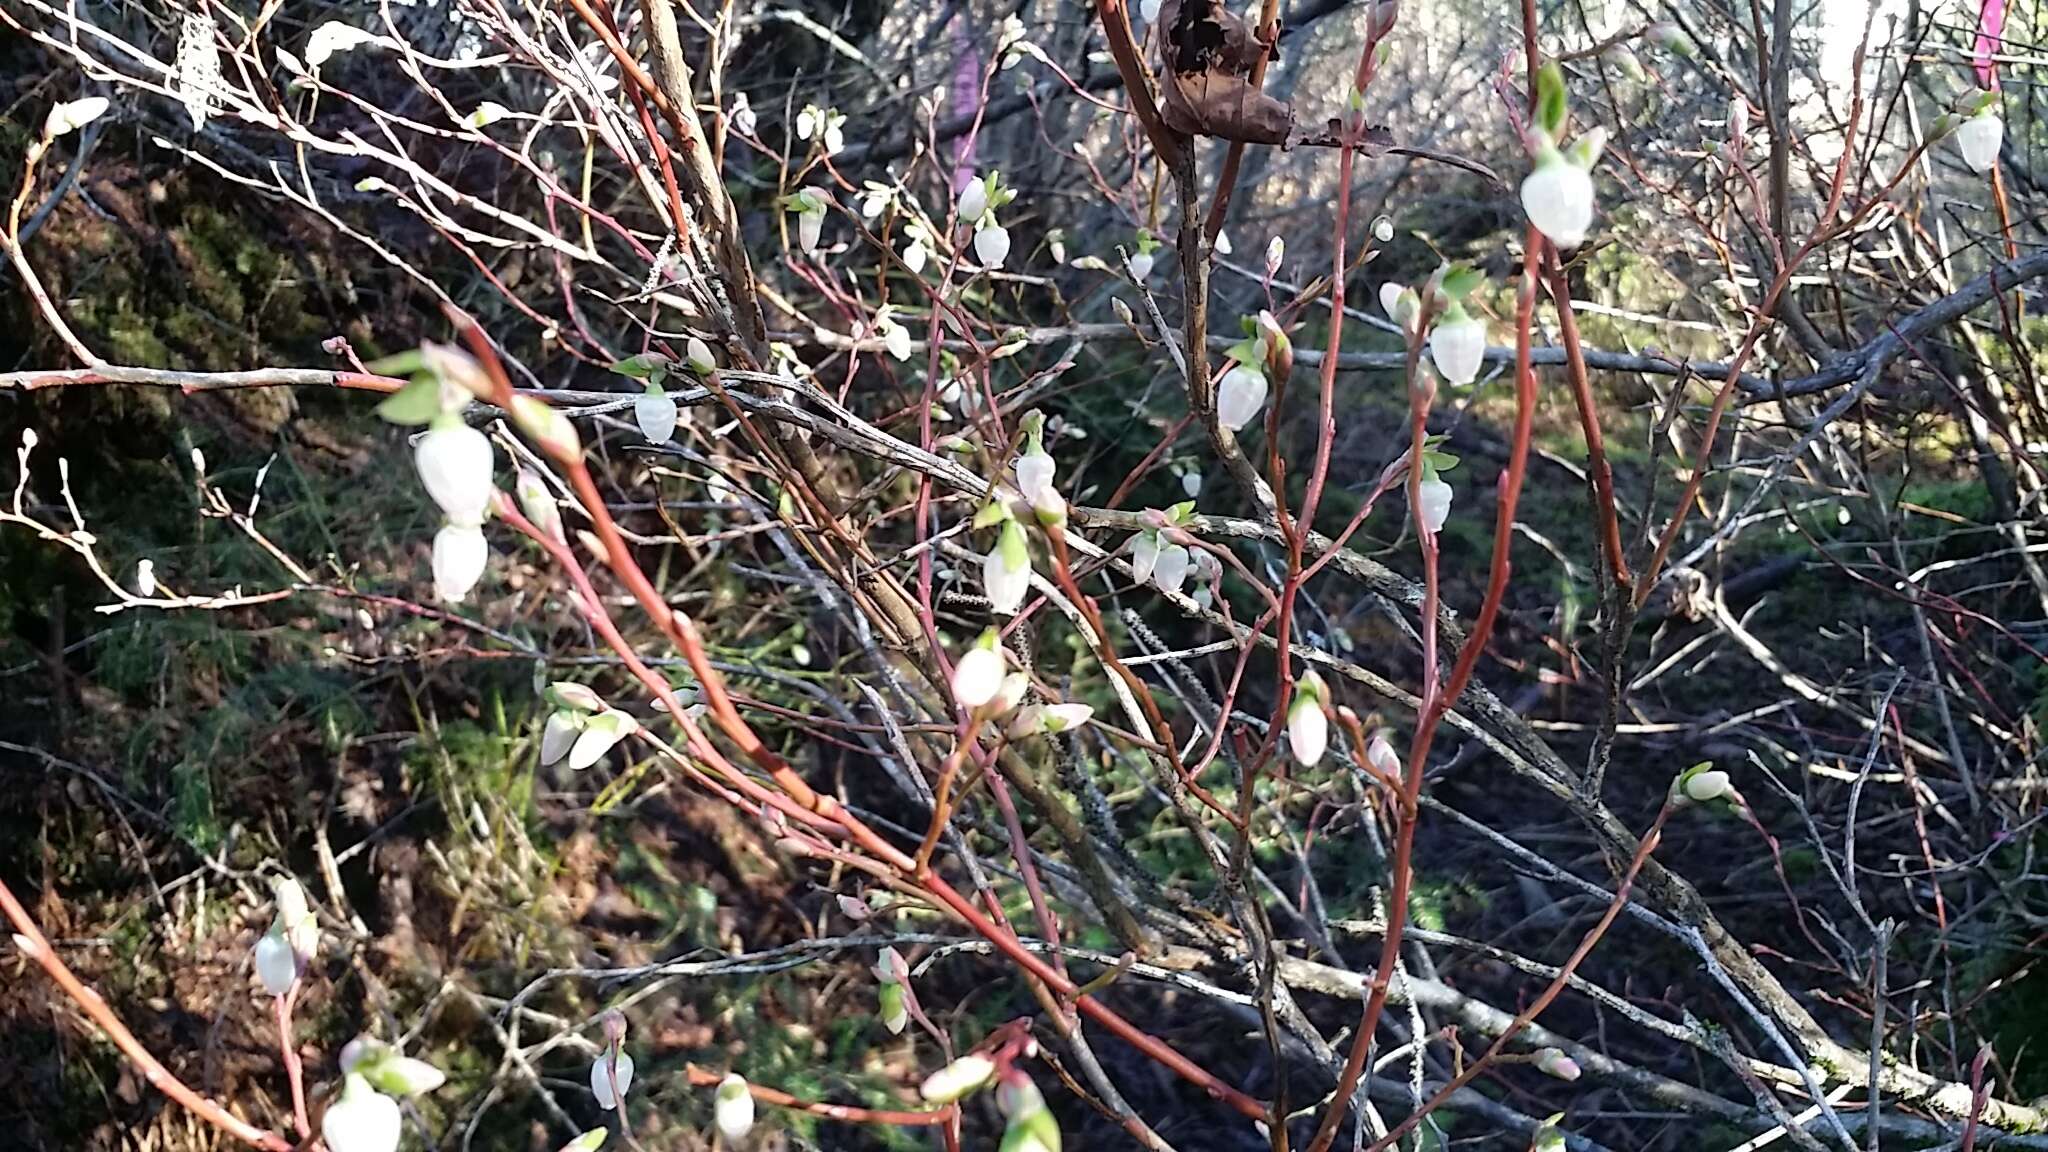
pixel 416 403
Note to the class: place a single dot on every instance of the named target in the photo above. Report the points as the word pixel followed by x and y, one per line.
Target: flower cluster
pixel 978 203
pixel 365 1117
pixel 582 728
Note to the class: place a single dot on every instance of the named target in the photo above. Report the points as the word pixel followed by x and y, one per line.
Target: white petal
pixel 734 1110
pixel 957 1079
pixel 558 736
pixel 361 1121
pixel 1172 569
pixel 1144 555
pixel 977 677
pixel 1559 200
pixel 1308 730
pixel 1240 395
pixel 656 416
pixel 1436 504
pixel 1979 139
pixel 973 201
pixel 1141 266
pixel 1004 586
pixel 1458 347
pixel 1034 476
pixel 277 965
pixel 809 226
pixel 601 1080
pixel 454 462
pixel 992 245
pixel 460 556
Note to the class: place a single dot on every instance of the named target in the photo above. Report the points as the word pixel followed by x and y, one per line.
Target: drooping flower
pixel 1144 555
pixel 893 996
pixel 1035 470
pixel 1240 395
pixel 1170 571
pixel 733 1110
pixel 1031 1126
pixel 957 1079
pixel 599 734
pixel 742 117
pixel 460 555
pixel 361 1120
pixel 1457 343
pixel 1558 196
pixel 1979 139
pixel 454 462
pixel 1379 752
pixel 1435 503
pixel 1006 570
pixel 655 413
pixel 809 204
pixel 1400 303
pixel 1308 726
pixel 292 940
pixel 992 245
pixel 978 675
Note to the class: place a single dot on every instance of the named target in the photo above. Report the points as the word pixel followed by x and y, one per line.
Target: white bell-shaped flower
pixel 1435 506
pixel 915 254
pixel 896 340
pixel 1458 345
pixel 1006 570
pixel 1558 196
pixel 957 1079
pixel 1979 139
pixel 460 555
pixel 974 201
pixel 978 675
pixel 1240 395
pixel 810 226
pixel 1308 726
pixel 1170 571
pixel 992 245
pixel 655 412
pixel 1141 266
pixel 600 733
pixel 733 1110
pixel 1144 555
pixel 454 462
pixel 1379 752
pixel 1035 470
pixel 361 1120
pixel 601 1079
pixel 277 964
pixel 559 735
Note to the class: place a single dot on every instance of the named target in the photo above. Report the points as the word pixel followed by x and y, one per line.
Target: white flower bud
pixel 1170 571
pixel 992 245
pixel 957 1079
pixel 1458 345
pixel 978 675
pixel 742 117
pixel 1144 555
pixel 145 577
pixel 601 1078
pixel 1276 251
pixel 655 412
pixel 974 201
pixel 1141 266
pixel 914 255
pixel 1240 394
pixel 1383 229
pixel 1379 753
pixel 277 965
pixel 1702 787
pixel 1979 139
pixel 454 462
pixel 1553 1062
pixel 733 1110
pixel 1435 506
pixel 362 1120
pixel 697 354
pixel 1558 197
pixel 896 340
pixel 71 116
pixel 1308 726
pixel 1035 470
pixel 1006 570
pixel 460 556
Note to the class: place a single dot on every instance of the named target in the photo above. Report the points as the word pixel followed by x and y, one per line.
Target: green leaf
pixel 993 512
pixel 1441 461
pixel 590 1141
pixel 1550 99
pixel 1181 513
pixel 1461 279
pixel 398 363
pixel 416 403
pixel 645 366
